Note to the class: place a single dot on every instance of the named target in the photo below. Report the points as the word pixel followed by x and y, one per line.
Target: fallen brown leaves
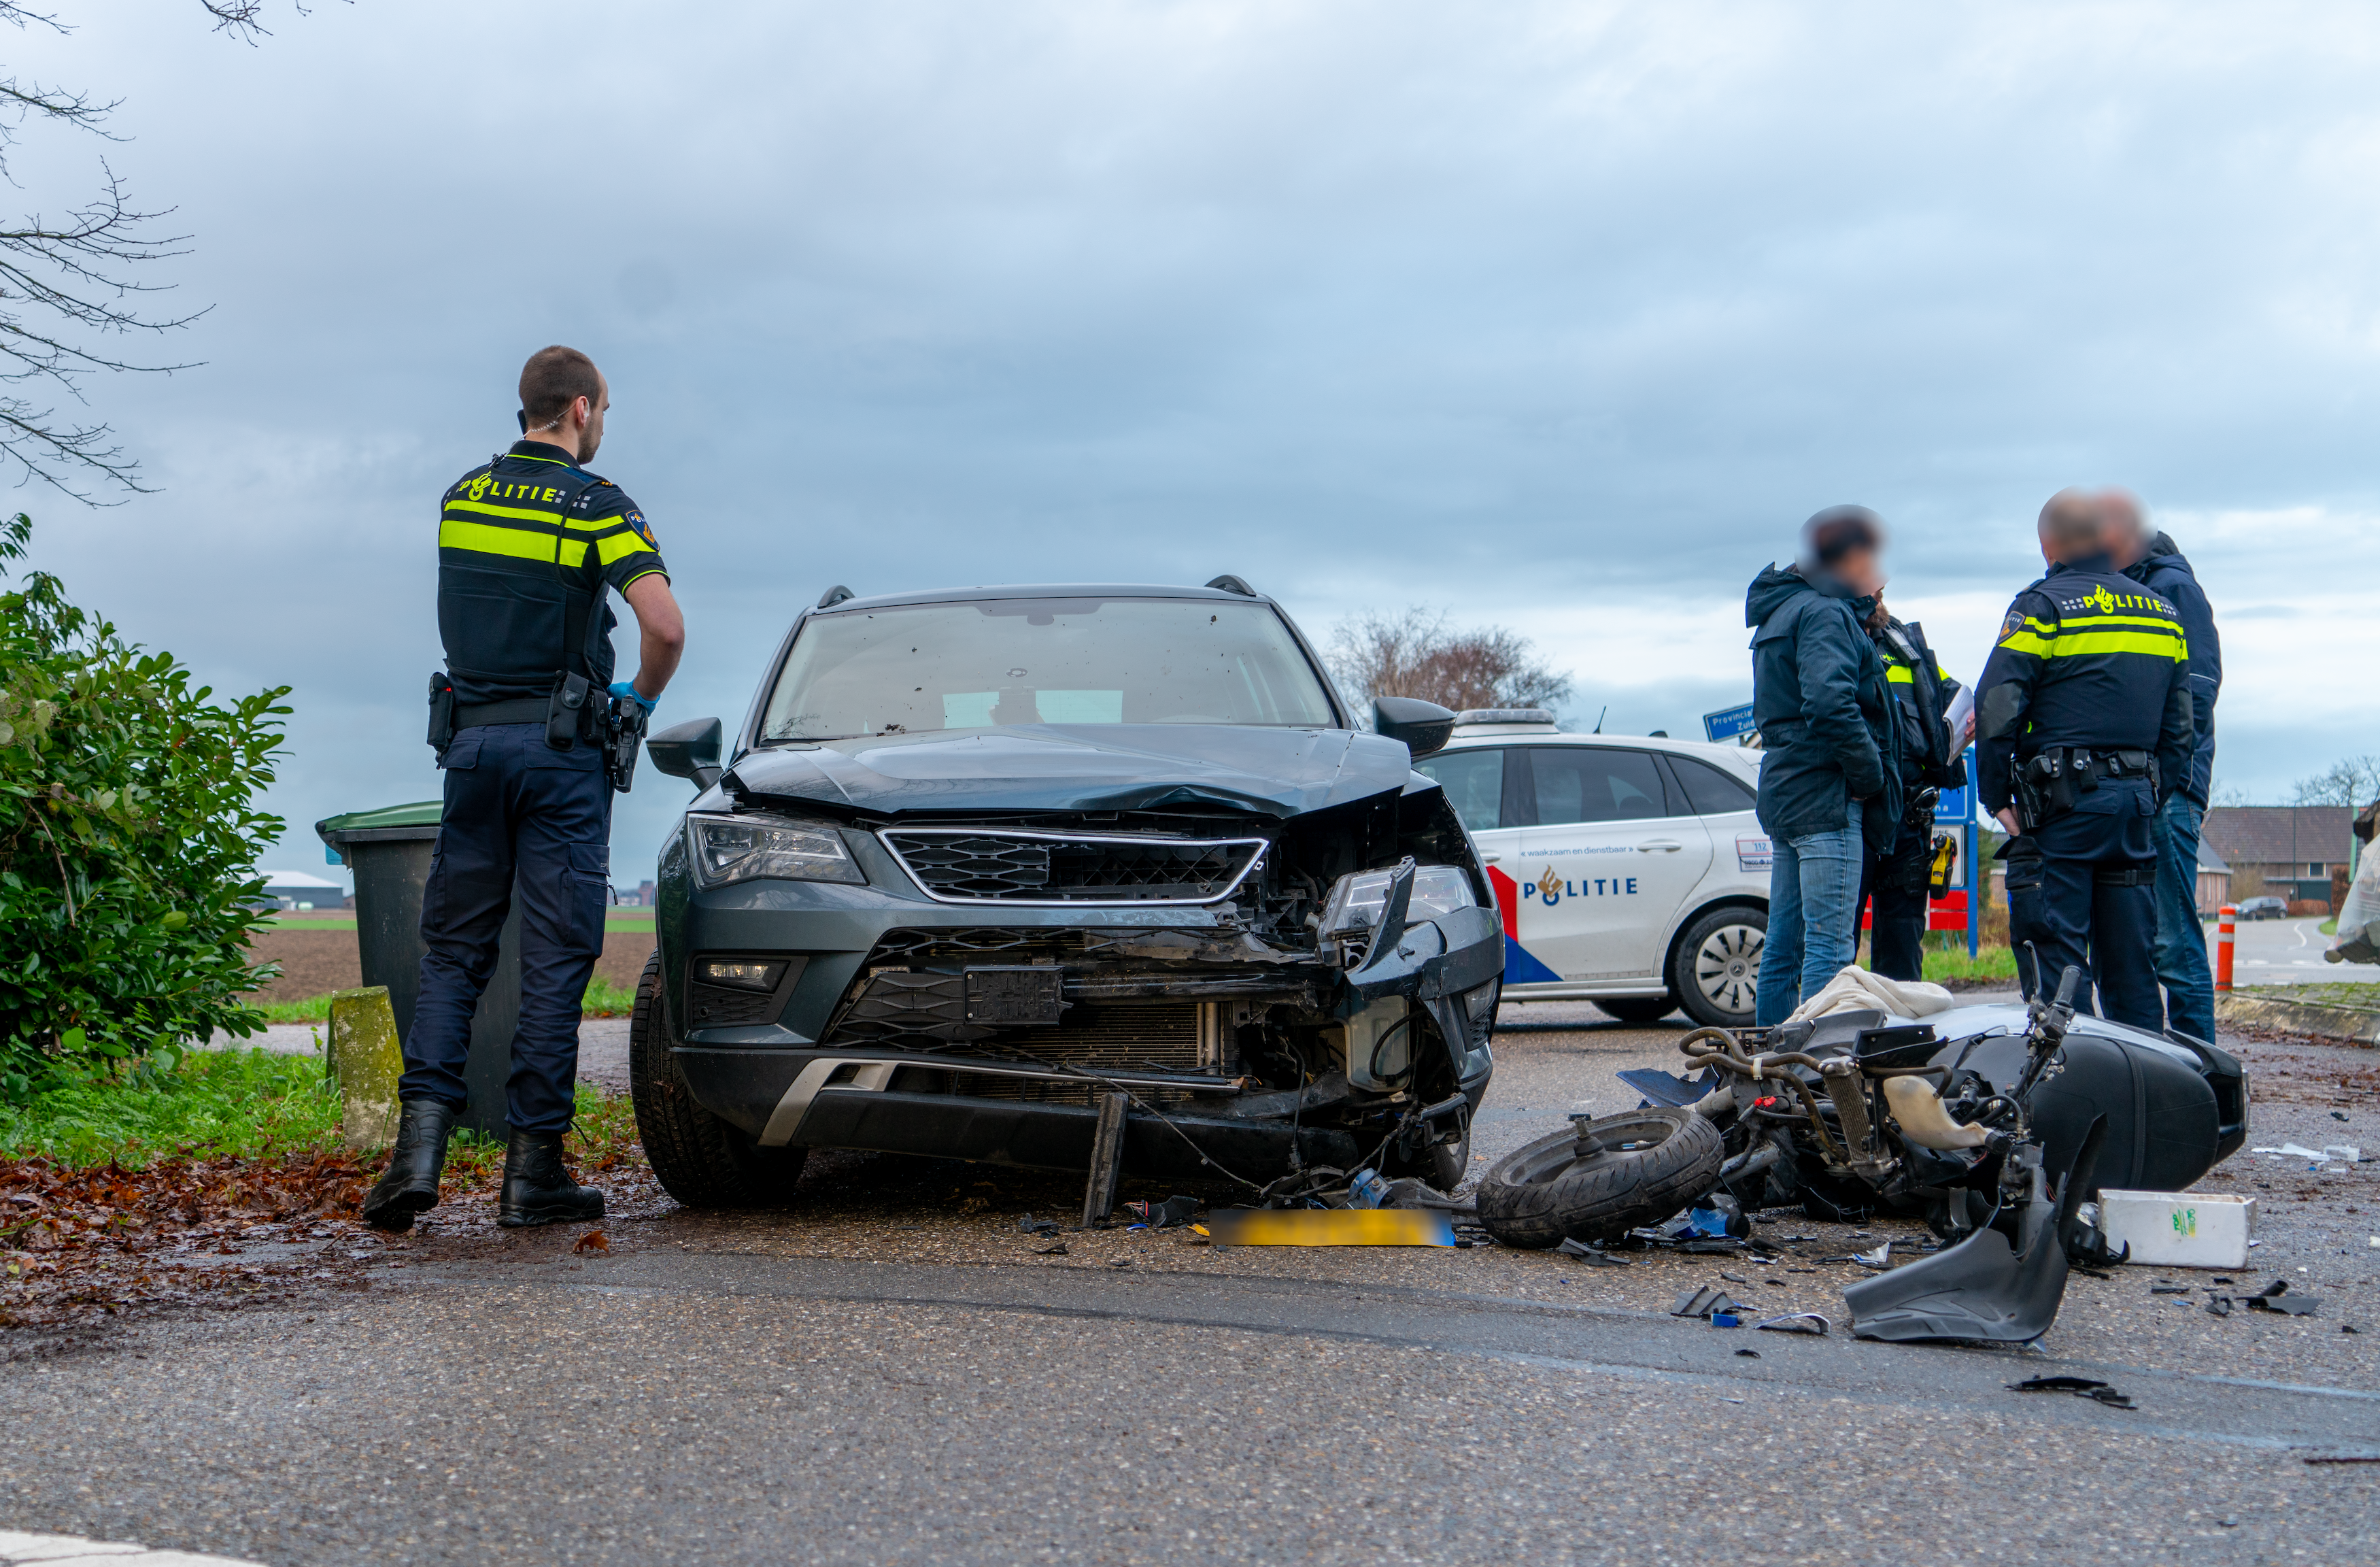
pixel 107 1239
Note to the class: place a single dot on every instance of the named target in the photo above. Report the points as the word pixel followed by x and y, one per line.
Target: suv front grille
pixel 966 865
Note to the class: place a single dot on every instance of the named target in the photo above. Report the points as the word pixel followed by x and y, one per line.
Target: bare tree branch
pixel 61 282
pixel 1415 654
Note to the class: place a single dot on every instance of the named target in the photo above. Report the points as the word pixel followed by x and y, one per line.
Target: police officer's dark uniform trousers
pixel 527 544
pixel 2084 723
pixel 1897 880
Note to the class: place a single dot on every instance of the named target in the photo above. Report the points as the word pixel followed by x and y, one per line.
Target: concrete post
pixel 366 1061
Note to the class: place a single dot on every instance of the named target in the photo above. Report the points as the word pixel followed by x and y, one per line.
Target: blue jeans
pixel 2181 964
pixel 1813 886
pixel 522 821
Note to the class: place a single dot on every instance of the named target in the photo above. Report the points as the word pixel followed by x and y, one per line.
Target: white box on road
pixel 2180 1229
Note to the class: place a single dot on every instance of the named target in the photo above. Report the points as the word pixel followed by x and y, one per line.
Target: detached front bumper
pixel 872 1048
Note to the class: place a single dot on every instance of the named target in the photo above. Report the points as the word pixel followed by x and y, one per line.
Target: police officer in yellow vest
pixel 2084 729
pixel 529 544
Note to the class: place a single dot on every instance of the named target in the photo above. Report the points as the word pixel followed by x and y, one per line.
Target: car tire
pixel 1545 1193
pixel 1714 968
pixel 1446 1165
pixel 1639 1010
pixel 700 1160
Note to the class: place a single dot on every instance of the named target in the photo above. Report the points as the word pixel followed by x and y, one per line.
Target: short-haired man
pixel 2152 559
pixel 2082 729
pixel 529 542
pixel 1830 780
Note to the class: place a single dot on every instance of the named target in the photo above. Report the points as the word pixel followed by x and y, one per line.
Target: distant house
pixel 2214 880
pixel 296 889
pixel 2280 851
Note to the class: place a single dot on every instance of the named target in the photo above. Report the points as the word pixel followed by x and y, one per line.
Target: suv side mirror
pixel 1423 726
pixel 689 751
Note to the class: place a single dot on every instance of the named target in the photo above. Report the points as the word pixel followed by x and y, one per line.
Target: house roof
pixel 2279 834
pixel 2209 860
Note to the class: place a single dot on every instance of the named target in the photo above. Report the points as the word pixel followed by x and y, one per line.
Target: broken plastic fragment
pixel 1702 1301
pixel 1592 1255
pixel 1808 1322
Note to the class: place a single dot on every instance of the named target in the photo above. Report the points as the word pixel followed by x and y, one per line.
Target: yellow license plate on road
pixel 1330 1227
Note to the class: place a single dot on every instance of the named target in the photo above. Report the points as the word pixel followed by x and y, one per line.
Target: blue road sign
pixel 1728 723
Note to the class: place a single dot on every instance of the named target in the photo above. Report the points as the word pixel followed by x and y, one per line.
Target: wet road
pixel 894 1373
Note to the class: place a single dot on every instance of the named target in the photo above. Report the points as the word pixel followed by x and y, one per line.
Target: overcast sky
pixel 1558 317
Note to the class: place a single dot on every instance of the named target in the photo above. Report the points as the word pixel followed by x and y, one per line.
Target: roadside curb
pixel 16 1547
pixel 2320 1020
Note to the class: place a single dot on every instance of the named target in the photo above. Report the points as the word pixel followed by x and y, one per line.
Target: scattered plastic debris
pixel 1880 1258
pixel 1121 1262
pixel 1726 1319
pixel 1808 1322
pixel 2218 1305
pixel 1592 1255
pixel 2080 1387
pixel 1059 1249
pixel 1749 1354
pixel 2344 1458
pixel 1033 1226
pixel 2169 1289
pixel 1703 1301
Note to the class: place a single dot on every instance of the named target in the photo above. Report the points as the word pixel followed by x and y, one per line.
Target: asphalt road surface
pixel 2286 952
pixel 894 1372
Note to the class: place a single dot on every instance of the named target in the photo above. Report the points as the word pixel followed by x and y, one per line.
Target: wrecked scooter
pixel 1993 1134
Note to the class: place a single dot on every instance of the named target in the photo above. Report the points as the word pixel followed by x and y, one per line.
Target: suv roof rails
pixel 834 596
pixel 1227 583
pixel 1504 715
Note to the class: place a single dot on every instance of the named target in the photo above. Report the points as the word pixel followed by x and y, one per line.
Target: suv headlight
pixel 1357 901
pixel 745 848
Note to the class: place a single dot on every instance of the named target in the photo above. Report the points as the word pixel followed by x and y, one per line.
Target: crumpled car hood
pixel 1281 772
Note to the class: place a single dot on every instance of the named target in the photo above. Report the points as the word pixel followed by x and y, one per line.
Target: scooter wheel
pixel 1645 1166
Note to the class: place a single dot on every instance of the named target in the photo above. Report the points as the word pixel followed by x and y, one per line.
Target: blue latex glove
pixel 627 688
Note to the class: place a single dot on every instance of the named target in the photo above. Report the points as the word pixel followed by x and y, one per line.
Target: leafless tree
pixel 66 287
pixel 2353 782
pixel 1417 655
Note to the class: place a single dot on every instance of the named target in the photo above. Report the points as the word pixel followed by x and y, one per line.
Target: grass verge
pixel 249 1104
pixel 603 1000
pixel 1943 966
pixel 2364 996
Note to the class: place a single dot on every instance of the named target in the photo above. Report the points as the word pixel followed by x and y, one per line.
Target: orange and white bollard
pixel 2223 934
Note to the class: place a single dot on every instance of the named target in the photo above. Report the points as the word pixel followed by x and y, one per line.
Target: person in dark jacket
pixel 1899 870
pixel 2082 731
pixel 2150 558
pixel 1831 778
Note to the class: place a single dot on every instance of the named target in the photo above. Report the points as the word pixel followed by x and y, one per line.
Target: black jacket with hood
pixel 1826 717
pixel 2164 571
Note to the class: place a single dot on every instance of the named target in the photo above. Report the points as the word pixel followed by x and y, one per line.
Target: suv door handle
pixel 1660 845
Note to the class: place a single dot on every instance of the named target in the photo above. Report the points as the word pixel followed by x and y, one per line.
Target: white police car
pixel 1630 870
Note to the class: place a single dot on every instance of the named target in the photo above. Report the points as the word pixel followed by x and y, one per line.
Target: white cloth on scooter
pixel 1855 989
pixel 2358 918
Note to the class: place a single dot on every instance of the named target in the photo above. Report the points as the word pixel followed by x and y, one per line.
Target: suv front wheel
pixel 1715 969
pixel 700 1160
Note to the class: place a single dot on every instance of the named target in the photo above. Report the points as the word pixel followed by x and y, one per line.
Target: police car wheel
pixel 1638 1168
pixel 1715 972
pixel 700 1160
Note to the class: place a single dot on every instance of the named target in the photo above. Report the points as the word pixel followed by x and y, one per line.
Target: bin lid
pixel 388 824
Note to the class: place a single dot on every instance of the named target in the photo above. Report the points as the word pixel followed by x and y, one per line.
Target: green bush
pixel 127 833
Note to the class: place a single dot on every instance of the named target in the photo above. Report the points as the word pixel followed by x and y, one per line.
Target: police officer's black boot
pixel 538 1190
pixel 410 1182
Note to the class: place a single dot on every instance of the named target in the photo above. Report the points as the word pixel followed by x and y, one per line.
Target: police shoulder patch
pixel 2013 624
pixel 643 530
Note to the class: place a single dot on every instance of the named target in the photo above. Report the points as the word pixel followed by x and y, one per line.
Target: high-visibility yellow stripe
pixel 1899 675
pixel 619 545
pixel 649 571
pixel 523 512
pixel 517 543
pixel 2086 620
pixel 2084 644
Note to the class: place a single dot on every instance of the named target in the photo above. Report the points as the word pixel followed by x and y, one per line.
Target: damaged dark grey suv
pixel 983 855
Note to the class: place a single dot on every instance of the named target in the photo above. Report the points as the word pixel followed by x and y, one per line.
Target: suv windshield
pixel 923 668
